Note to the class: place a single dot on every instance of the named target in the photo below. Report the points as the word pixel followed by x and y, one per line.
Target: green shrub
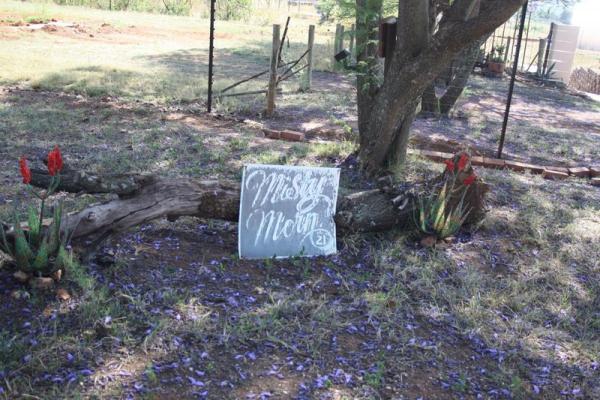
pixel 233 9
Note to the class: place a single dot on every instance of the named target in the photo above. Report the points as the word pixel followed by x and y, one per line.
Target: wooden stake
pixel 352 34
pixel 541 52
pixel 309 60
pixel 271 91
pixel 336 45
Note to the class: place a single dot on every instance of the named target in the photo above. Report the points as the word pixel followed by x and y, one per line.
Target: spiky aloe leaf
pixel 441 211
pixel 23 253
pixel 40 263
pixel 33 220
pixel 54 240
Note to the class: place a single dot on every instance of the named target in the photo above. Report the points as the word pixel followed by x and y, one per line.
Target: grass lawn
pixel 509 311
pixel 138 56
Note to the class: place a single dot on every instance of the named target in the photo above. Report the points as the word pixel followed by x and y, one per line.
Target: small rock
pixel 44 283
pixel 21 276
pixel 62 295
pixel 57 275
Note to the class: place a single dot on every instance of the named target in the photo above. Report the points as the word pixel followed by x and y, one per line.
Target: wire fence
pixel 549 124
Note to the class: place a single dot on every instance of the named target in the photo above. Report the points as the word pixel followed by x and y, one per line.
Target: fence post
pixel 309 57
pixel 512 78
pixel 541 52
pixel 336 45
pixel 506 49
pixel 211 50
pixel 351 46
pixel 273 75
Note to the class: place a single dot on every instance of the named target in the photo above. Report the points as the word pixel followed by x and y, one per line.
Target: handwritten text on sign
pixel 287 211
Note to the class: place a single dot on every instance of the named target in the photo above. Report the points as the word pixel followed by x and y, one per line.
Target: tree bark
pixel 143 198
pixel 454 79
pixel 386 107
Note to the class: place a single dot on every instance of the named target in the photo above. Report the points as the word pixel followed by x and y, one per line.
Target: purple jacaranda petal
pixel 321 381
pixel 195 382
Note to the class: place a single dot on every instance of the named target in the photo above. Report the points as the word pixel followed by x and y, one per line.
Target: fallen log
pixel 143 198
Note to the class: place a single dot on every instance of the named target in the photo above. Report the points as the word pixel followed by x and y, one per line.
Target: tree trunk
pixel 430 104
pixel 454 79
pixel 463 66
pixel 422 52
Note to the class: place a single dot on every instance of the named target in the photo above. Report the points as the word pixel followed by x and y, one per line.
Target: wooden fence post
pixel 309 57
pixel 273 75
pixel 541 52
pixel 336 45
pixel 508 43
pixel 351 46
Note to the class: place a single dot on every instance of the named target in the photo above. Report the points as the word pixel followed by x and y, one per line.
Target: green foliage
pixel 233 9
pixel 35 251
pixel 337 10
pixel 173 7
pixel 435 217
pixel 497 54
pixel 435 214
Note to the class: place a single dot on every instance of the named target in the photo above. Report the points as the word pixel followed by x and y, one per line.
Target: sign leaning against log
pixel 287 211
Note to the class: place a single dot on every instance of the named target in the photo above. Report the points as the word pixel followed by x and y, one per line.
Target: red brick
pixel 582 172
pixel 271 134
pixel 557 169
pixel 595 181
pixel 493 163
pixel 292 136
pixel 595 171
pixel 520 166
pixel 436 155
pixel 477 161
pixel 554 175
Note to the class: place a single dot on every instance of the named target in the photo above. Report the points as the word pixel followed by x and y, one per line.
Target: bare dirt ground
pixel 547 126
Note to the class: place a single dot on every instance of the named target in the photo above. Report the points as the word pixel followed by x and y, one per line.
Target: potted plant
pixel 496 62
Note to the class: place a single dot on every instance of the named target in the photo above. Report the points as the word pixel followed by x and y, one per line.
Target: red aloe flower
pixel 55 162
pixel 470 179
pixel 449 165
pixel 25 171
pixel 462 162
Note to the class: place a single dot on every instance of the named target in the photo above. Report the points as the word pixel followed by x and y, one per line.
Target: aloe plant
pixel 35 250
pixel 434 216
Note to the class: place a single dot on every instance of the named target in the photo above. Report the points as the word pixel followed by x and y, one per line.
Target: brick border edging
pixel 547 172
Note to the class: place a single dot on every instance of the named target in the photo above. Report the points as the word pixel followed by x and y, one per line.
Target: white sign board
pixel 287 211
